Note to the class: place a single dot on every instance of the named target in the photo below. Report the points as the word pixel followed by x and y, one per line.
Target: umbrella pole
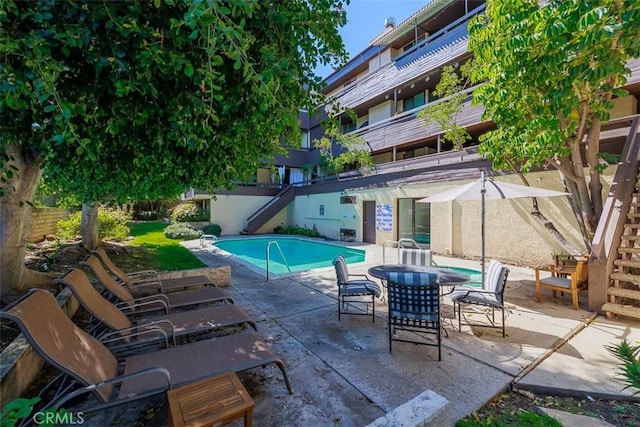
pixel 483 190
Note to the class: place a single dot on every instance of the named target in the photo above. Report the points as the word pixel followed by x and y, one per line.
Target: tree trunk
pixel 15 221
pixel 89 227
pixel 550 227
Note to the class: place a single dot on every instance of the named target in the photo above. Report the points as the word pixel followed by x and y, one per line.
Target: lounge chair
pixel 414 306
pixel 150 277
pixel 577 280
pixel 490 295
pixel 92 368
pixel 166 302
pixel 118 330
pixel 354 291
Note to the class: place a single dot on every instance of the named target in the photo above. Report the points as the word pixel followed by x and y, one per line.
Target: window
pixel 348 127
pixel 413 102
pixel 414 220
pixel 346 200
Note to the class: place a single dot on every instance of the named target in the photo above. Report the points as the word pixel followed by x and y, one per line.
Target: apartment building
pixel 386 85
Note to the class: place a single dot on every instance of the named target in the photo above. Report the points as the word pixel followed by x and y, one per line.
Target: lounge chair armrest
pixel 477 291
pixel 147 371
pixel 115 337
pixel 159 299
pixel 152 284
pixel 138 275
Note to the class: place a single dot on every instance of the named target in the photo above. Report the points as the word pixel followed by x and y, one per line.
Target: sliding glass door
pixel 414 221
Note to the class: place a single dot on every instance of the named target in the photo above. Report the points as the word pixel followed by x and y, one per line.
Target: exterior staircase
pixel 269 209
pixel 624 295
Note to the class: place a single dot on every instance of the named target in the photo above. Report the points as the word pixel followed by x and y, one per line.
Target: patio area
pixel 342 372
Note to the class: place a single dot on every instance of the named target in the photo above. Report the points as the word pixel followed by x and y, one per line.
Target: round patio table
pixel 446 276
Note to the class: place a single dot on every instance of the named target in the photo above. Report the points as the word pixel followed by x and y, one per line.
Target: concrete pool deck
pixel 343 374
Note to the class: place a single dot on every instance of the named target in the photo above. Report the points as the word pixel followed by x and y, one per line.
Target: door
pixel 369 222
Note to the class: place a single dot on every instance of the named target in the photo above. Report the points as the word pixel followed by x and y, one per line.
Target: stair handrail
pixel 264 207
pixel 274 242
pixel 608 235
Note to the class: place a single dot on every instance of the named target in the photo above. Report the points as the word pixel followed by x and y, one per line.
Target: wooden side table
pixel 218 399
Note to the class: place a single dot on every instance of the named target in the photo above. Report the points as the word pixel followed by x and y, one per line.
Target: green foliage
pixel 445 112
pixel 181 231
pixel 294 229
pixel 352 147
pixel 161 253
pixel 21 409
pixel 629 356
pixel 112 225
pixel 214 229
pixel 523 418
pixel 17 410
pixel 549 71
pixel 166 94
pixel 186 212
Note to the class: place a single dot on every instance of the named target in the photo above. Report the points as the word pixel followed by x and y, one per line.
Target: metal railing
pixel 398 244
pixel 273 242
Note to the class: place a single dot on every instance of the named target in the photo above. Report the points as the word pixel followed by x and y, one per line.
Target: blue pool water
pixel 300 255
pixel 476 275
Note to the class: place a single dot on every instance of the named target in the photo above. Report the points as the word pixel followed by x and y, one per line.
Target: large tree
pixel 120 100
pixel 550 70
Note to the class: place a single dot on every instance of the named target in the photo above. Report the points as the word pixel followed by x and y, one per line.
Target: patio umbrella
pixel 492 190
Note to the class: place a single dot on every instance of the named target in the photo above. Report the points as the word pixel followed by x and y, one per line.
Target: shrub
pixel 112 225
pixel 214 229
pixel 181 230
pixel 303 231
pixel 186 212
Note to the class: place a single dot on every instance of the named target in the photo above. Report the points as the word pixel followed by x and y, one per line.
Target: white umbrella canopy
pixel 492 190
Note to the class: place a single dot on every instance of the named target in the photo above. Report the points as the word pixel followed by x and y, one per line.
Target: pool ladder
pixel 273 242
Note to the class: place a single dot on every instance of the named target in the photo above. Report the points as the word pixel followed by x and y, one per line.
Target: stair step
pixel 633 215
pixel 626 263
pixel 623 310
pixel 624 293
pixel 628 237
pixel 627 225
pixel 626 277
pixel 624 250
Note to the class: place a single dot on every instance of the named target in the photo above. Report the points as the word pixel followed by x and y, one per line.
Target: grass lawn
pixel 162 253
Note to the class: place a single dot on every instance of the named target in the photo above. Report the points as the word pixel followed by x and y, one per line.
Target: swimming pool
pixel 300 254
pixel 476 275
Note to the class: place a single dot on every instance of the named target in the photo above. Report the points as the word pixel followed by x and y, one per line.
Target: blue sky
pixel 366 20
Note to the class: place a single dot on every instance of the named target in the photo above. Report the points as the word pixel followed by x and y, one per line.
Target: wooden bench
pixel 219 399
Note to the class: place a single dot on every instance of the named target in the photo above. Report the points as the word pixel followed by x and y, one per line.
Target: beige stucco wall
pixel 231 213
pixel 513 235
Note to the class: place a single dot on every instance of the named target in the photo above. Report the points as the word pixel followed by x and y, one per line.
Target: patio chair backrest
pixel 496 279
pixel 97 305
pixel 415 256
pixel 414 296
pixel 106 280
pixel 342 273
pixel 119 273
pixel 61 343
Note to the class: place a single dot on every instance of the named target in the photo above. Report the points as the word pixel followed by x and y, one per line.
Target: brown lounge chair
pixel 146 277
pixel 96 370
pixel 122 331
pixel 168 302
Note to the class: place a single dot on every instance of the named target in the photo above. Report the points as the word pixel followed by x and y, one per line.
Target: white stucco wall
pixel 513 235
pixel 231 213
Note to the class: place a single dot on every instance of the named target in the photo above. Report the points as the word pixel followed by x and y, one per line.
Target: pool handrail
pixel 281 253
pixel 398 244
